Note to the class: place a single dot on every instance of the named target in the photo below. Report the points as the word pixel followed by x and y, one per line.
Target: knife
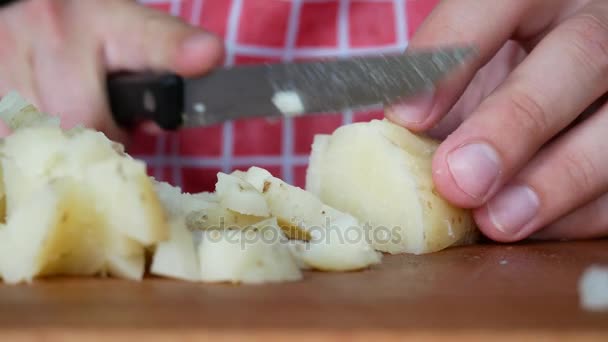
pixel 281 89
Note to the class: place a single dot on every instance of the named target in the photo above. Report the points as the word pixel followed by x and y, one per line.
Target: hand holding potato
pixel 522 157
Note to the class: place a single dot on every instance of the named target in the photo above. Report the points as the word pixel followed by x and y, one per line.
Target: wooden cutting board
pixel 516 292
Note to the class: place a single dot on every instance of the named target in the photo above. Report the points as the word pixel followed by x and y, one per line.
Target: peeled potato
pixel 177 258
pixel 240 196
pixel 253 256
pixel 178 204
pixel 55 232
pixel 74 202
pixel 216 217
pixel 126 197
pixel 336 240
pixel 381 173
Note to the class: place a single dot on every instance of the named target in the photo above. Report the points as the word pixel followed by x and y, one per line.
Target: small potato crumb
pixel 593 288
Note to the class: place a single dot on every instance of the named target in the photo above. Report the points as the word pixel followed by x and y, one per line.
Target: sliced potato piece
pixel 315 164
pixel 255 176
pixel 240 196
pixel 178 204
pixel 17 113
pixel 54 232
pixel 214 218
pixel 381 173
pixel 125 257
pixel 337 240
pixel 177 258
pixel 126 197
pixel 250 257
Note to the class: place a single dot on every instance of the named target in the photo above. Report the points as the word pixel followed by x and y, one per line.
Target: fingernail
pixel 197 41
pixel 413 111
pixel 513 208
pixel 475 168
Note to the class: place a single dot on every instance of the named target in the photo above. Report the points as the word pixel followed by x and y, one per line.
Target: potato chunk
pixel 381 173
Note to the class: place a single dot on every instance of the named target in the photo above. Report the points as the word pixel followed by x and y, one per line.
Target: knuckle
pixel 589 41
pixel 527 112
pixel 581 172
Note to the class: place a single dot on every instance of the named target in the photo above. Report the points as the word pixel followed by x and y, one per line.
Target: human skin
pixel 513 150
pixel 57 53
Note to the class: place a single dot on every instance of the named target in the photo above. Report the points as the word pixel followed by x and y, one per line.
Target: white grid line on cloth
pixel 401 23
pixel 272 160
pixel 231 41
pixel 197 12
pixel 233 48
pixel 288 136
pixel 344 44
pixel 176 6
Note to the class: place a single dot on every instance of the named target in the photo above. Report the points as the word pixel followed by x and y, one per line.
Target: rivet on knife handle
pixel 137 97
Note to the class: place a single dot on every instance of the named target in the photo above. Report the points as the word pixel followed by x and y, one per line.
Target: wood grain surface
pixel 516 292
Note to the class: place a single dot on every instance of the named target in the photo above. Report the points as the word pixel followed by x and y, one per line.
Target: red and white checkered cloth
pixel 273 30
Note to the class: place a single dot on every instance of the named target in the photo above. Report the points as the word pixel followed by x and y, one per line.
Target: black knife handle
pixel 137 97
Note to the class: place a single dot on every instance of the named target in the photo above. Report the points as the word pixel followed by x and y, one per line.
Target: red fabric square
pixel 318 25
pixel 417 11
pixel 372 24
pixel 306 127
pixel 186 10
pixel 202 141
pixel 142 143
pixel 212 15
pixel 368 116
pixel 299 176
pixel 241 59
pixel 196 180
pixel 258 16
pixel 258 136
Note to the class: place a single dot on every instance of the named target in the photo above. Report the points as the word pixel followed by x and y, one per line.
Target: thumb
pixel 139 38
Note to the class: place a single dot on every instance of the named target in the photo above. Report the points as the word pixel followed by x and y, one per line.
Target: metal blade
pixel 315 87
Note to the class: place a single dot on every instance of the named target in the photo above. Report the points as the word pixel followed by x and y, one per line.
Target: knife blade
pixel 281 89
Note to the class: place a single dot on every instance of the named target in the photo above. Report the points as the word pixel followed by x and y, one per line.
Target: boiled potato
pixel 17 113
pixel 125 257
pixel 55 232
pixel 179 204
pixel 67 235
pixel 216 217
pixel 126 197
pixel 238 195
pixel 251 256
pixel 381 173
pixel 255 176
pixel 75 203
pixel 336 240
pixel 177 258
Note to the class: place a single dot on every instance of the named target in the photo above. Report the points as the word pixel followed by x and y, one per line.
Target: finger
pixel 142 38
pixel 565 73
pixel 587 222
pixel 73 85
pixel 461 22
pixel 485 81
pixel 567 174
